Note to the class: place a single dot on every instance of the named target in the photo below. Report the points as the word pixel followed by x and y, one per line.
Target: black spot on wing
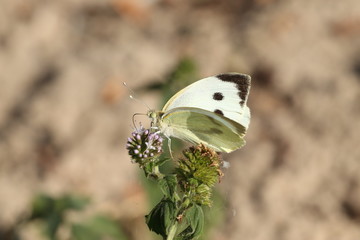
pixel 219 112
pixel 218 96
pixel 242 82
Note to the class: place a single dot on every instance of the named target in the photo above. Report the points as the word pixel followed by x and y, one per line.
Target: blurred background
pixel 65 116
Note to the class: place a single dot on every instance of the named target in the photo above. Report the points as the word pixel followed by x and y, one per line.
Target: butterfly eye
pixel 151 114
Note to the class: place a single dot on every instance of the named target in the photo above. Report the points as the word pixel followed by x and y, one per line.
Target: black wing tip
pixel 235 77
pixel 242 82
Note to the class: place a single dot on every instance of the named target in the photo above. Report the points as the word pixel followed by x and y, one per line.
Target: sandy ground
pixel 65 117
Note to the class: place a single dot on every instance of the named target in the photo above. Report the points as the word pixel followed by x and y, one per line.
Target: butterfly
pixel 211 111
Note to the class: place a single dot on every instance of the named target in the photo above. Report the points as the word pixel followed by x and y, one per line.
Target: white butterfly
pixel 211 111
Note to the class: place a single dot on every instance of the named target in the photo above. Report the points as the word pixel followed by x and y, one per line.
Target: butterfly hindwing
pixel 201 126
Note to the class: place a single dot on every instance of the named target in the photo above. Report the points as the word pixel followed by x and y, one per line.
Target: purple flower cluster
pixel 144 145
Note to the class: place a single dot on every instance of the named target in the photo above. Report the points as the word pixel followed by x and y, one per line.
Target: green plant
pixel 179 214
pixel 51 213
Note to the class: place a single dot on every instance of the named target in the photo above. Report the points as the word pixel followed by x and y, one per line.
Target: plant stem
pixel 172 231
pixel 157 173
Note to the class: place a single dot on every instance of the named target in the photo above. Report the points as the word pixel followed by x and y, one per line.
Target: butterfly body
pixel 211 111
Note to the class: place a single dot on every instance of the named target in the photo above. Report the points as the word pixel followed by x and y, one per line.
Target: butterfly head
pixel 155 117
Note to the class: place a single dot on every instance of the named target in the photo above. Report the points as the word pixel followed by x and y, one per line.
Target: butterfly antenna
pixel 132 96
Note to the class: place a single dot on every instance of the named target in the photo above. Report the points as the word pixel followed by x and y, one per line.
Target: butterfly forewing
pixel 224 94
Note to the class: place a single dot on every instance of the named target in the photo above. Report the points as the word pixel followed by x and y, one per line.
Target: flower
pixel 198 172
pixel 144 145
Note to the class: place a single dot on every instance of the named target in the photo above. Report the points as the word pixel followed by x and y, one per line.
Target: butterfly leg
pixel 169 146
pixel 156 129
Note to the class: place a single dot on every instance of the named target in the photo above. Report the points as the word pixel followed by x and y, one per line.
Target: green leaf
pixel 52 224
pixel 45 206
pixel 168 186
pixel 41 206
pixel 162 217
pixel 99 227
pixel 52 210
pixel 83 232
pixel 192 223
pixel 162 160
